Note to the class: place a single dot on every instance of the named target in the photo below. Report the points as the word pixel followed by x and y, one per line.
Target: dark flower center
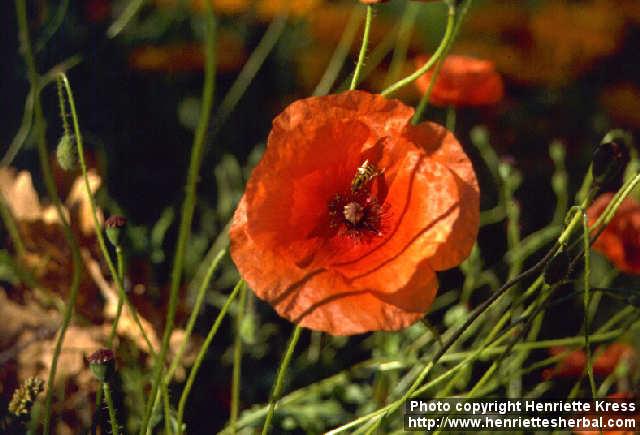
pixel 355 214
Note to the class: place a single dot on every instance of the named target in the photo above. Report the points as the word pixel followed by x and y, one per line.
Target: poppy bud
pixel 557 269
pixel 609 159
pixel 113 227
pixel 24 397
pixel 102 364
pixel 66 152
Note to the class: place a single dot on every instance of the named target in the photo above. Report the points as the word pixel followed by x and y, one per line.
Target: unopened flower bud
pixel 609 159
pixel 66 152
pixel 558 268
pixel 24 397
pixel 113 227
pixel 102 364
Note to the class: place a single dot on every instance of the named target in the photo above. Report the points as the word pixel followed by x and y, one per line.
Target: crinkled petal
pixel 441 145
pixel 321 299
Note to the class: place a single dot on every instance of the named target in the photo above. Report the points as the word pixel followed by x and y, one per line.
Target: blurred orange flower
pixel 620 240
pixel 574 363
pixel 350 213
pixel 173 58
pixel 265 10
pixel 551 44
pixel 462 81
pixel 622 102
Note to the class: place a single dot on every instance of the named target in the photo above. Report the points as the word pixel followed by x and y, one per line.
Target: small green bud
pixel 66 152
pixel 114 226
pixel 103 364
pixel 24 397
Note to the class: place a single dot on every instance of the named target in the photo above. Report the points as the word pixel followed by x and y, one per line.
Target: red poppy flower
pixel 574 363
pixel 620 240
pixel 350 213
pixel 462 81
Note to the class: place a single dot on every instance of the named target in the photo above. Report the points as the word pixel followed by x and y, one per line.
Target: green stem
pixel 424 101
pixel 12 228
pixel 197 306
pixel 125 17
pixel 94 213
pixel 188 208
pixel 250 69
pixel 277 388
pixel 451 114
pixel 112 410
pixel 405 29
pixel 194 313
pixel 339 54
pixel 201 354
pixel 120 271
pixel 237 361
pixel 436 56
pixel 363 48
pixel 587 300
pixel 43 155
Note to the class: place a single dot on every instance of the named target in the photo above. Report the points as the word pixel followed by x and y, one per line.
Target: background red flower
pixel 620 240
pixel 462 81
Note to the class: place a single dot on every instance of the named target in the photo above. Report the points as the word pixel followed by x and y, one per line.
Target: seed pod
pixel 557 269
pixel 102 364
pixel 66 152
pixel 113 227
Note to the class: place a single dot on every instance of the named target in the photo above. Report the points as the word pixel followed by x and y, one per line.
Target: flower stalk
pixel 188 209
pixel 436 56
pixel 363 48
pixel 277 387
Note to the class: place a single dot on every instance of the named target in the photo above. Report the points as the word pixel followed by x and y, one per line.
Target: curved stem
pixel 94 212
pixel 201 354
pixel 43 155
pixel 277 387
pixel 363 48
pixel 424 101
pixel 188 208
pixel 436 56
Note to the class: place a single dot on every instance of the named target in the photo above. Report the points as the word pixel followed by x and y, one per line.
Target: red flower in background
pixel 574 363
pixel 350 213
pixel 620 240
pixel 462 81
